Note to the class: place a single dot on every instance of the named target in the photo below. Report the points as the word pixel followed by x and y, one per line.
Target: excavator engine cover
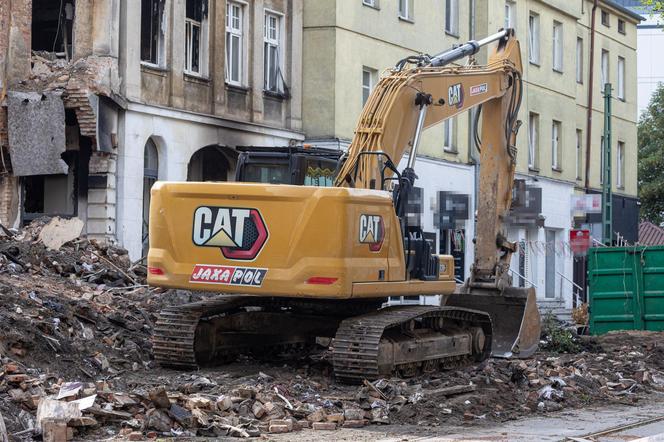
pixel 514 316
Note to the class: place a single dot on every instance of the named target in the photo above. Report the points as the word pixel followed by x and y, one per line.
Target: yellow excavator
pixel 293 263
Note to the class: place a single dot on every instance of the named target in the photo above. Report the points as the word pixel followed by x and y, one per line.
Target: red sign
pixel 579 241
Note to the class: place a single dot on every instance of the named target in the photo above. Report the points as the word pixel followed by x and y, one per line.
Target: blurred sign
pixel 453 207
pixel 526 199
pixel 591 203
pixel 579 241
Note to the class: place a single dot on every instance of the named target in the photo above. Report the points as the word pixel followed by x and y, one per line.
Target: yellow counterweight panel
pixel 278 240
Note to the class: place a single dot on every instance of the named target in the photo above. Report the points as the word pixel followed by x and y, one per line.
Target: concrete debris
pixel 75 361
pixel 60 231
pixel 36 128
pixel 4 437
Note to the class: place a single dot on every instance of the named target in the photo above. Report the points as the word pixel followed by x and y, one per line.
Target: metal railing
pixel 524 278
pixel 576 288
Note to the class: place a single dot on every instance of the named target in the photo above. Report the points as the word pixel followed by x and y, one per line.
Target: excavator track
pixel 189 335
pixel 174 333
pixel 357 344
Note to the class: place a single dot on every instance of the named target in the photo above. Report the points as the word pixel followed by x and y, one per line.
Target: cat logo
pixel 240 233
pixel 372 231
pixel 455 95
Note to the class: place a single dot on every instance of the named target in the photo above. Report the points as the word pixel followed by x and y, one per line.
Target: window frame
pixel 280 45
pixel 372 83
pixel 203 46
pixel 622 26
pixel 409 10
pixel 556 145
pixel 605 71
pixel 453 18
pixel 533 141
pixel 534 54
pixel 510 14
pixel 579 60
pixel 620 170
pixel 605 13
pixel 160 40
pixel 557 46
pixel 620 87
pixel 449 135
pixel 240 35
pixel 370 3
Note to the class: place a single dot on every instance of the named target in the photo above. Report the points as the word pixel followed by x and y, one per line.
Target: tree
pixel 651 158
pixel 655 6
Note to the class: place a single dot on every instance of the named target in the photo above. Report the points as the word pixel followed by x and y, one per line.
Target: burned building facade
pixel 99 99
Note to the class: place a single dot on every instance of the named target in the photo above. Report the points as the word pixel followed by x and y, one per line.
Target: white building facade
pixel 650 41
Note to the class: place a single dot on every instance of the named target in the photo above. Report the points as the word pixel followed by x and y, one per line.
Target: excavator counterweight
pixel 291 263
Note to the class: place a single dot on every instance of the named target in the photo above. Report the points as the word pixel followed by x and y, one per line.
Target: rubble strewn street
pixel 75 361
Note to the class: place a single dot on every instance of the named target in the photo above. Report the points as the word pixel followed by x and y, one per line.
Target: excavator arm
pixel 389 128
pixel 409 100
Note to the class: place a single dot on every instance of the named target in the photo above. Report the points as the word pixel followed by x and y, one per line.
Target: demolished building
pixel 100 99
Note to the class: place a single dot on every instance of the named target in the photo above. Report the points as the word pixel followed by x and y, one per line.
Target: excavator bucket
pixel 514 316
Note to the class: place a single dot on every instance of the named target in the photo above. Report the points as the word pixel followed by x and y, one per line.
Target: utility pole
pixel 607 194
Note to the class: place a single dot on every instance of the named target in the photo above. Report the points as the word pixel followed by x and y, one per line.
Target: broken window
pixel 52 27
pixel 272 55
pixel 152 33
pixel 60 194
pixel 195 42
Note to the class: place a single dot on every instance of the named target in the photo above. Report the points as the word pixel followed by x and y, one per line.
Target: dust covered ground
pixel 75 323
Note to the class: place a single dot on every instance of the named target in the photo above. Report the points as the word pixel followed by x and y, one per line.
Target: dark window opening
pixel 150 175
pixel 151 30
pixel 197 9
pixel 58 195
pixel 605 18
pixel 208 164
pixel 52 27
pixel 621 26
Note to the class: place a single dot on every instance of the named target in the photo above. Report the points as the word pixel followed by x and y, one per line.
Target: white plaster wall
pixel 436 175
pixel 650 63
pixel 177 139
pixel 556 209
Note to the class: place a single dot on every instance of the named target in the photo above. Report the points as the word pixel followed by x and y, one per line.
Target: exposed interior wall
pixel 75 45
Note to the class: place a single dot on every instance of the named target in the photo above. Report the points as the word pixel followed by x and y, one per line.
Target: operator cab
pixel 301 165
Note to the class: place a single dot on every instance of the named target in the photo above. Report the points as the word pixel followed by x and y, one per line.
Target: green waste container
pixel 626 288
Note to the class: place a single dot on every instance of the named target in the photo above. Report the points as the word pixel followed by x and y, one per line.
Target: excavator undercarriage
pixel 368 342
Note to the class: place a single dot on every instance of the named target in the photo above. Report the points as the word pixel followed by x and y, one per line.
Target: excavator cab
pixel 299 165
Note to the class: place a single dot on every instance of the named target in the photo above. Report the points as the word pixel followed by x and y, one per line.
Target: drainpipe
pixel 591 70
